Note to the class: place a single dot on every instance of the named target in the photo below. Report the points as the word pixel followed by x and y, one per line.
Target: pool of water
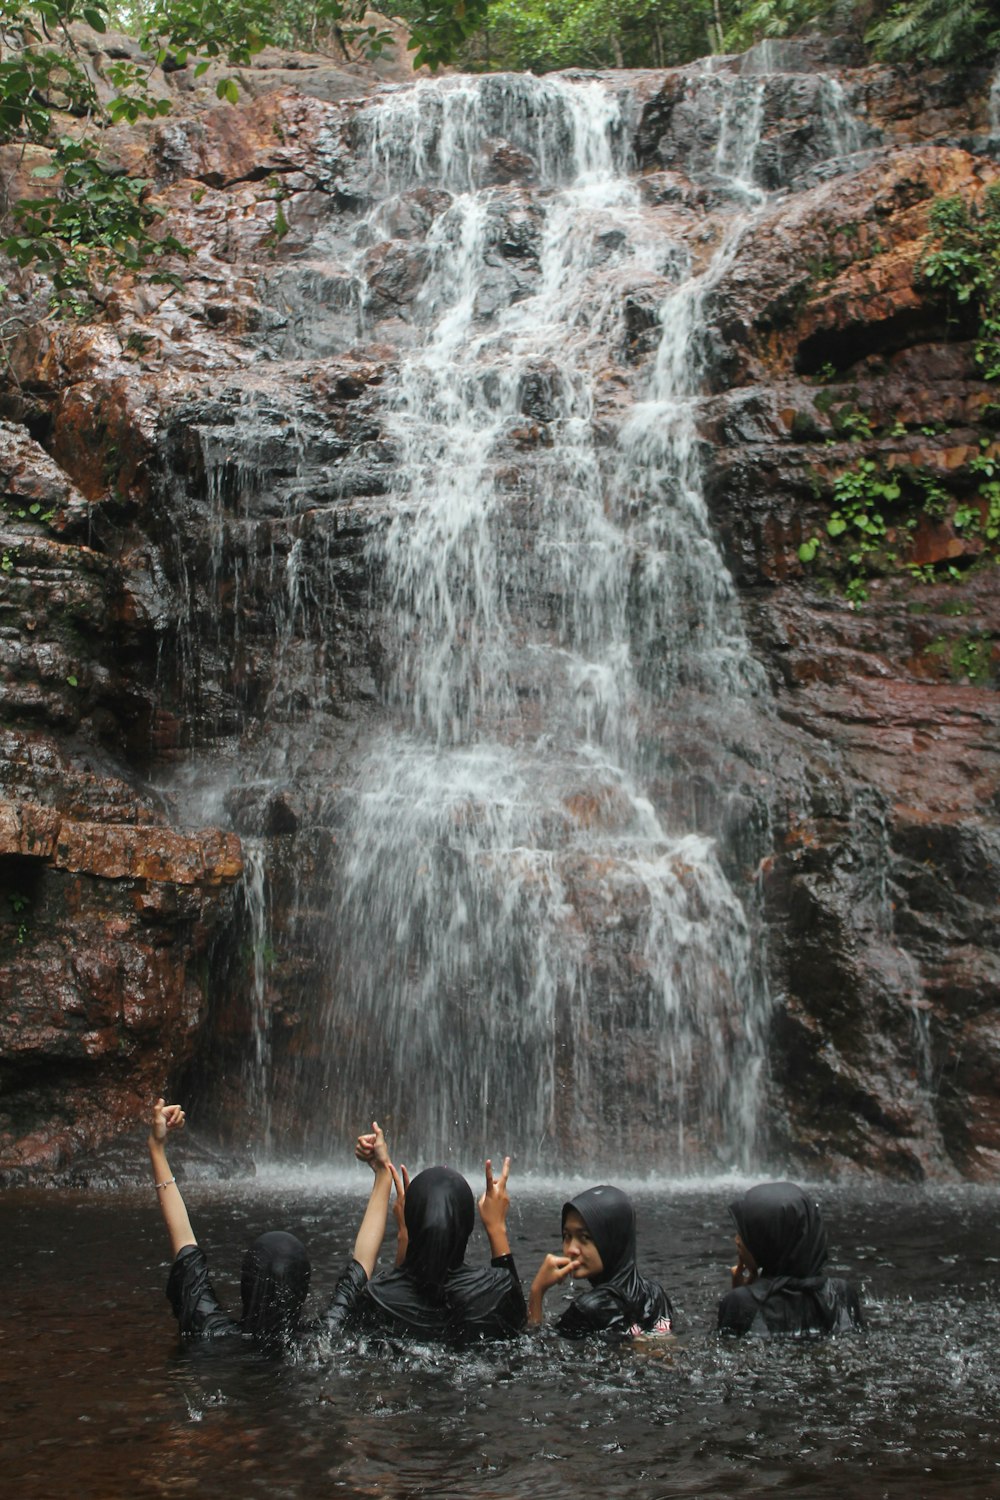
pixel 98 1400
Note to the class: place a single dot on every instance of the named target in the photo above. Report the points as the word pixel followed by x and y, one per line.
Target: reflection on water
pixel 100 1402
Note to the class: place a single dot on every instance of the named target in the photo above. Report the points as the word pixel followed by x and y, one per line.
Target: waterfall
pixel 258 1072
pixel 839 121
pixel 740 120
pixel 532 947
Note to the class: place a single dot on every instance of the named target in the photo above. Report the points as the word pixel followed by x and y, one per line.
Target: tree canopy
pixel 544 34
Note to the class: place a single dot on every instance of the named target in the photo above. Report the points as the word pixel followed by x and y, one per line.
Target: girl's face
pixel 580 1248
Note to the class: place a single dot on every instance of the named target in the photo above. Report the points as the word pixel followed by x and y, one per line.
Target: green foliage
pixel 32 512
pixel 873 509
pixel 314 24
pixel 849 421
pixel 935 498
pixel 41 71
pixel 439 29
pixel 969 657
pixel 19 904
pixel 754 20
pixel 936 31
pixel 206 29
pixel 96 222
pixel 538 35
pixel 964 267
pixel 859 495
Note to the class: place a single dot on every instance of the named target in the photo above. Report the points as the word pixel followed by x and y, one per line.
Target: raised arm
pixel 399 1212
pixel 371 1148
pixel 553 1269
pixel 168 1117
pixel 493 1209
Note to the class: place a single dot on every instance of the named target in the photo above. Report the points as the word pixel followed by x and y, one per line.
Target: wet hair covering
pixel 783 1230
pixel 273 1285
pixel 620 1300
pixel 440 1215
pixel 434 1294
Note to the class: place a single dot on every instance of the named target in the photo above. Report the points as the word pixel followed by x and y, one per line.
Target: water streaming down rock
pixel 524 951
pixel 256 447
pixel 254 893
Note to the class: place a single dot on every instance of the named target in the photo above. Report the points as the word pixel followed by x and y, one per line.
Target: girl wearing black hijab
pixel 432 1293
pixel 778 1282
pixel 276 1269
pixel 598 1232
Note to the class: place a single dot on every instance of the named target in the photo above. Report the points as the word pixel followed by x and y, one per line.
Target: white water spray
pixel 525 952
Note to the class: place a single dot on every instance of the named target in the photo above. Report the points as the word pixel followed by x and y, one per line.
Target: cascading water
pixel 509 884
pixel 526 953
pixel 254 893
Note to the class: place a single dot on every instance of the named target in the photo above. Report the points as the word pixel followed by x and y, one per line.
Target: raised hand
pixel 745 1272
pixel 493 1206
pixel 371 1147
pixel 494 1203
pixel 165 1117
pixel 402 1185
pixel 553 1269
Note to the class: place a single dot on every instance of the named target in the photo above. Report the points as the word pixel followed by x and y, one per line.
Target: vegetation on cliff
pixel 879 504
pixel 90 219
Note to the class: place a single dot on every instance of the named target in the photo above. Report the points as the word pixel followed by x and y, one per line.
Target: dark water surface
pixel 97 1400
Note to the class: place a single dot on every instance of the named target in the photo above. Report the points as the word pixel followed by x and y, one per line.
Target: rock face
pixel 198 633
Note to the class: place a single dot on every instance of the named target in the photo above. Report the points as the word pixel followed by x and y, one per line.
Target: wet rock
pixel 394 272
pixel 192 489
pixel 503 163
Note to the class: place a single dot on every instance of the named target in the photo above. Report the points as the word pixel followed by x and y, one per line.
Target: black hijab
pixel 273 1285
pixel 440 1215
pixel 610 1220
pixel 783 1230
pixel 620 1300
pixel 434 1294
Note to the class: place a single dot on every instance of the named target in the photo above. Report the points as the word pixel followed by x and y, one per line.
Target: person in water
pixel 431 1293
pixel 276 1269
pixel 778 1282
pixel 598 1234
